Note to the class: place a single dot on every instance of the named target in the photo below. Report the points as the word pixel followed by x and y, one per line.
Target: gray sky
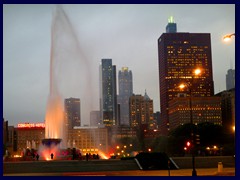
pixel 125 33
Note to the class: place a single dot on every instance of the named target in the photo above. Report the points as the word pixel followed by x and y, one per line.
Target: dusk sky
pixel 127 34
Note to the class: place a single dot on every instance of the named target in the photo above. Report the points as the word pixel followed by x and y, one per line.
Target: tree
pixel 207 134
pixel 211 134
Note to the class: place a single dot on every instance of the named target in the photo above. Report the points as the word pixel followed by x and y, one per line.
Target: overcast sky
pixel 125 33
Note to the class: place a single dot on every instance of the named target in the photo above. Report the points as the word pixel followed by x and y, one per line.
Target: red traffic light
pixel 188 144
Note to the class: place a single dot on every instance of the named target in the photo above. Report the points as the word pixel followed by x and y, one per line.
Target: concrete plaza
pixel 204 167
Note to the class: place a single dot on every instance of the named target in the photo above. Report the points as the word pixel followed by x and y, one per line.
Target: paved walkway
pixel 181 172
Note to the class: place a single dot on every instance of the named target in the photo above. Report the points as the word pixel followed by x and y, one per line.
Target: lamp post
pixel 182 86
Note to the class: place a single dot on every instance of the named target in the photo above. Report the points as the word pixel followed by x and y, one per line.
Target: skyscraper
pixel 228 109
pixel 171 26
pixel 108 96
pixel 230 79
pixel 72 111
pixel 141 111
pixel 178 55
pixel 125 91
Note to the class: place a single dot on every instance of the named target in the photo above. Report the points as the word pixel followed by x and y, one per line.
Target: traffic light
pixel 188 144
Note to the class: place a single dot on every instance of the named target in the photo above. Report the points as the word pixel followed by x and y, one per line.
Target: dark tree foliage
pixel 184 130
pixel 209 134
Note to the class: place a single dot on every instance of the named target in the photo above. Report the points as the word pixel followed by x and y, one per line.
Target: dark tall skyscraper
pixel 230 79
pixel 108 96
pixel 178 55
pixel 125 86
pixel 171 26
pixel 72 111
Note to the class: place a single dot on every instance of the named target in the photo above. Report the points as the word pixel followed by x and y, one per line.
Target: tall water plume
pixel 69 76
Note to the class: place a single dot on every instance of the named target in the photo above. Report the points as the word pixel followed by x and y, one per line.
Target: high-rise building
pixel 108 95
pixel 228 109
pixel 125 86
pixel 178 55
pixel 5 132
pixel 156 117
pixel 230 79
pixel 141 111
pixel 72 111
pixel 204 109
pixel 171 26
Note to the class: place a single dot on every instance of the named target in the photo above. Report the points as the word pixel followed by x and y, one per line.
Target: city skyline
pixel 127 34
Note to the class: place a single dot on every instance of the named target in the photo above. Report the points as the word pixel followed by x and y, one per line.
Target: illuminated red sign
pixel 31 125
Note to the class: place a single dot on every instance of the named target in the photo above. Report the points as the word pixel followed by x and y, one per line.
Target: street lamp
pixel 228 37
pixel 196 72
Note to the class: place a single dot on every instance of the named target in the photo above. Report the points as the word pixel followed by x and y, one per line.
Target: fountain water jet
pixel 68 71
pixel 54 120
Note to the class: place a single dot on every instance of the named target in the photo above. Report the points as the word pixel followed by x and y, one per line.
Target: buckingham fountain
pixel 64 56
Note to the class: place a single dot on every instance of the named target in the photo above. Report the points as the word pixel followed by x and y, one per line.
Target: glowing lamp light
pixel 170 19
pixel 182 86
pixel 197 71
pixel 228 37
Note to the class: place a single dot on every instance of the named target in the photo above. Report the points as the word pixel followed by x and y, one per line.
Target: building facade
pixel 125 85
pixel 123 131
pixel 204 109
pixel 108 95
pixel 29 136
pixel 141 111
pixel 12 137
pixel 228 109
pixel 72 112
pixel 92 140
pixel 178 55
pixel 230 79
pixel 5 132
pixel 156 117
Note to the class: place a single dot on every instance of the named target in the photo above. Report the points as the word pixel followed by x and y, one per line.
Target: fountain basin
pixel 48 142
